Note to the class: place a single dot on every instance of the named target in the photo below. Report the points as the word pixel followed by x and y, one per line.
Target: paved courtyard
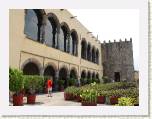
pixel 56 100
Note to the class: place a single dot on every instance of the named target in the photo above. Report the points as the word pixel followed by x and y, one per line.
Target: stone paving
pixel 56 100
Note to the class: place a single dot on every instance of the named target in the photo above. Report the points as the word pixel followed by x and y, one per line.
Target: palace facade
pixel 52 42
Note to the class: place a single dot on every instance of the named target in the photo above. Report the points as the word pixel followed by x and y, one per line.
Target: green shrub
pixel 61 82
pixel 71 82
pixel 89 81
pixel 83 81
pixel 15 80
pixel 70 90
pixel 89 95
pixel 106 79
pixel 126 101
pixel 40 85
pixel 32 83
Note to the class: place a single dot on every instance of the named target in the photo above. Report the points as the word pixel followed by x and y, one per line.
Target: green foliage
pixel 89 81
pixel 83 81
pixel 106 79
pixel 33 83
pixel 61 82
pixel 15 80
pixel 40 84
pixel 71 82
pixel 89 95
pixel 126 101
pixel 71 90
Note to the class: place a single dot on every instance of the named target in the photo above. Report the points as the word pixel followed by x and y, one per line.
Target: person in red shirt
pixel 49 86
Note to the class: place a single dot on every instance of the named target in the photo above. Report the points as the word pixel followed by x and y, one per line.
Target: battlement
pixel 120 41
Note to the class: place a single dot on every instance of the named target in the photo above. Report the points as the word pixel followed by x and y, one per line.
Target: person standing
pixel 49 86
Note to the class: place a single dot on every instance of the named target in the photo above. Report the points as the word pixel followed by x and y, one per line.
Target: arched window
pixel 89 52
pixel 74 45
pixel 65 37
pixel 97 56
pixel 93 54
pixel 48 33
pixel 33 24
pixel 84 49
pixel 52 30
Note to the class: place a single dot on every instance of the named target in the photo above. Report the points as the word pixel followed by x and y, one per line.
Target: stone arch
pixel 89 75
pixel 74 75
pixel 74 42
pixel 93 54
pixel 97 75
pixel 83 49
pixel 74 71
pixel 93 75
pixel 52 30
pixel 65 37
pixel 97 56
pixel 89 52
pixel 83 74
pixel 63 75
pixel 51 64
pixel 34 24
pixel 31 67
pixel 50 71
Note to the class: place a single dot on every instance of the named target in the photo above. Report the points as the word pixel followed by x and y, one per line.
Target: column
pixel 42 29
pixel 56 80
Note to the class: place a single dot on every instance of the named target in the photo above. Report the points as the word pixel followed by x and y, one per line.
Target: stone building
pixel 52 42
pixel 117 59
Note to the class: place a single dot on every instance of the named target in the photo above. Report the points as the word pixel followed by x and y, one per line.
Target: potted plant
pixel 69 93
pixel 101 96
pixel 78 92
pixel 126 101
pixel 89 97
pixel 114 95
pixel 16 86
pixel 61 84
pixel 30 85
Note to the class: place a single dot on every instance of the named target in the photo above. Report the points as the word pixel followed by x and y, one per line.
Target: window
pixel 33 24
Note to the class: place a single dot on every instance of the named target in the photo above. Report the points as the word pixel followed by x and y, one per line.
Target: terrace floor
pixel 56 100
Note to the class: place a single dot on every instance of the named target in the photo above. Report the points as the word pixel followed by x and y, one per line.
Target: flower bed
pixel 112 92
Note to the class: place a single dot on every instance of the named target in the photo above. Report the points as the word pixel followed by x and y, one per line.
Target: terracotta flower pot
pixel 100 99
pixel 68 96
pixel 84 103
pixel 18 100
pixel 78 98
pixel 31 99
pixel 114 100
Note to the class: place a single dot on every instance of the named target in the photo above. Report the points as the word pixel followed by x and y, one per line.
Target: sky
pixel 110 24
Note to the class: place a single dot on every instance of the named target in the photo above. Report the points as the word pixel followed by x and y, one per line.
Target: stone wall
pixel 118 57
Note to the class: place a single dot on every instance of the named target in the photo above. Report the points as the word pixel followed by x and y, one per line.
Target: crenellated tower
pixel 117 60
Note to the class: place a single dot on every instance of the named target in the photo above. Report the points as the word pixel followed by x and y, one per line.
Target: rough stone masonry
pixel 117 59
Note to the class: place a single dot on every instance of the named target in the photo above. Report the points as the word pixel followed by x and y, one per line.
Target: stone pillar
pixel 56 80
pixel 79 83
pixel 42 35
pixel 68 77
